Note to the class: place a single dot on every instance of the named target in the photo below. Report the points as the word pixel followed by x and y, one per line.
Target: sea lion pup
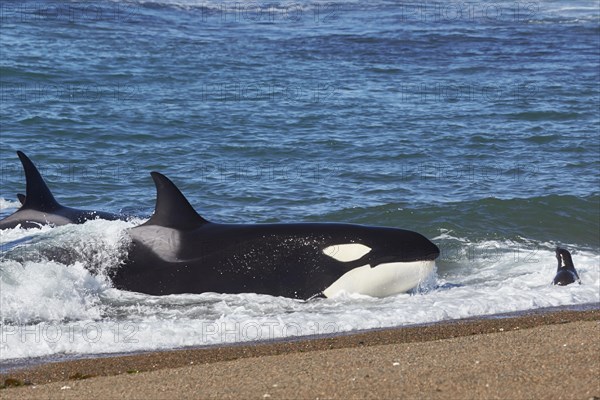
pixel 565 273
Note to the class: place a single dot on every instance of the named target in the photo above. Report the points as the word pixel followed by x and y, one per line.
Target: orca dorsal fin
pixel 172 209
pixel 21 198
pixel 38 196
pixel 564 258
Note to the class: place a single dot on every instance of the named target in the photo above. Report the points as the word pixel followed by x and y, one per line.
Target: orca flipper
pixel 172 209
pixel 38 196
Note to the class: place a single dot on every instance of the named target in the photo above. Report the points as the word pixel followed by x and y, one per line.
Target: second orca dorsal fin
pixel 21 198
pixel 172 209
pixel 38 196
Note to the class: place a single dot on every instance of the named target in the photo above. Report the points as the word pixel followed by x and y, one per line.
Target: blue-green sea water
pixel 474 123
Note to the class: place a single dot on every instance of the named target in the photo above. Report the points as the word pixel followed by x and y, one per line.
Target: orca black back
pixel 178 251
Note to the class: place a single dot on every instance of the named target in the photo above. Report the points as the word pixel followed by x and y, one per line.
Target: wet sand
pixel 552 355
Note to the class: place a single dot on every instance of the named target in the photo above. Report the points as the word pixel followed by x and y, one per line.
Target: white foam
pixel 6 205
pixel 48 291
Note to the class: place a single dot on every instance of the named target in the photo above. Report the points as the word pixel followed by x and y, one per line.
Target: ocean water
pixel 474 123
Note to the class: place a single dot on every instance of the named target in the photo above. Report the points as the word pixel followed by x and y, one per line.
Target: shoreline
pixel 15 365
pixel 79 370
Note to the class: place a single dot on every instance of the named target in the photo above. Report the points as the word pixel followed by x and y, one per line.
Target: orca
pixel 565 273
pixel 39 207
pixel 178 251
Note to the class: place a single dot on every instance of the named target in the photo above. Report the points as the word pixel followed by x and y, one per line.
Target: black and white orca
pixel 39 207
pixel 178 251
pixel 565 273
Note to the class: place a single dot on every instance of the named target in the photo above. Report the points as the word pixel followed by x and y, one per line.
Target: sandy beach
pixel 542 355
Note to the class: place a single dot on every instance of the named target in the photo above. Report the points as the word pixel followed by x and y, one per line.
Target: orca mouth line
pixel 399 259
